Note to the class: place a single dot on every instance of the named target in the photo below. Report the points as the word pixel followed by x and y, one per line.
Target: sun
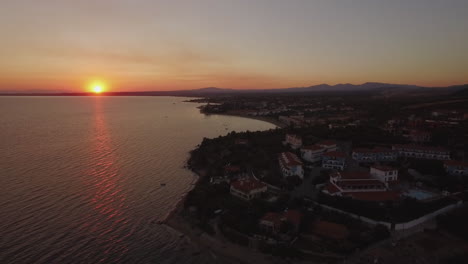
pixel 97 87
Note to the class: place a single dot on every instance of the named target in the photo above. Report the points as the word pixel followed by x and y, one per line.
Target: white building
pixel 384 173
pixel 290 165
pixel 312 153
pixel 334 160
pixel 422 152
pixel 294 141
pixel 247 188
pixel 359 185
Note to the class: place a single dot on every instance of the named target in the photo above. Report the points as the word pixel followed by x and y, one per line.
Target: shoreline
pixel 270 120
pixel 216 247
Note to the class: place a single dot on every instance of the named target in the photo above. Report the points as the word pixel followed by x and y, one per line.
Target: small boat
pixel 163 184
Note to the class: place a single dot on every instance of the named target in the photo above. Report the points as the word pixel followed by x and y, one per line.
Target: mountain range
pixel 383 88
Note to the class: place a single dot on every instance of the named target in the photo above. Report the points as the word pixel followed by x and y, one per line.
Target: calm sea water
pixel 80 177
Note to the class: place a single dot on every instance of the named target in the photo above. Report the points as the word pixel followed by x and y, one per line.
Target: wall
pixel 400 226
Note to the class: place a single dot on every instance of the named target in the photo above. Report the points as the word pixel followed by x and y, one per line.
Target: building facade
pixel 455 167
pixel 422 152
pixel 290 165
pixel 312 153
pixel 374 155
pixel 294 141
pixel 334 160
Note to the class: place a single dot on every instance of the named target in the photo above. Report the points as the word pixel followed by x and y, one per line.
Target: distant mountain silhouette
pixel 379 88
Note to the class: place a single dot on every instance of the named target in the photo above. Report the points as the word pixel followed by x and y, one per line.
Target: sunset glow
pixel 177 45
pixel 97 87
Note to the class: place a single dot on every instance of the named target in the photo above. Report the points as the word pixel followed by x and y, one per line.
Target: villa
pixel 290 165
pixel 247 188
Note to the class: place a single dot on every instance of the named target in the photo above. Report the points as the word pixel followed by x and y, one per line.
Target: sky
pixel 247 44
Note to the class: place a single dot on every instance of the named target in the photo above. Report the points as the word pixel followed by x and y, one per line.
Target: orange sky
pixel 172 45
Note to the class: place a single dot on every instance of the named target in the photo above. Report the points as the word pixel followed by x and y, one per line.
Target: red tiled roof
pixel 289 159
pixel 293 216
pixel 274 218
pixel 384 168
pixel 247 185
pixel 353 175
pixel 327 142
pixel 313 147
pixel 337 154
pixel 375 196
pixel 456 163
pixel 329 230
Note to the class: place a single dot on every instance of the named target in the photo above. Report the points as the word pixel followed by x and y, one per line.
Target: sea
pixel 86 179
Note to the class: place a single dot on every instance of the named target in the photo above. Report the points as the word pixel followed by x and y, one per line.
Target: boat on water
pixel 163 184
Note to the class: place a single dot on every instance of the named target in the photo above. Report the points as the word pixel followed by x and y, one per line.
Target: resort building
pixel 290 165
pixel 294 141
pixel 374 155
pixel 312 153
pixel 384 173
pixel 455 167
pixel 422 152
pixel 334 160
pixel 359 185
pixel 328 145
pixel 247 188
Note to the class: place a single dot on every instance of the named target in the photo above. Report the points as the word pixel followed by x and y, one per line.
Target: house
pixel 312 153
pixel 455 167
pixel 247 188
pixel 271 222
pixel 274 223
pixel 294 141
pixel 374 155
pixel 290 165
pixel 384 173
pixel 328 145
pixel 422 152
pixel 360 186
pixel 334 160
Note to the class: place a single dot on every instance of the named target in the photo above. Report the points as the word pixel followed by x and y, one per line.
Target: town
pixel 340 175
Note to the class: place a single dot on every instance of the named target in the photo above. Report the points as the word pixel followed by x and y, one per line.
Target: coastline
pixel 270 120
pixel 216 248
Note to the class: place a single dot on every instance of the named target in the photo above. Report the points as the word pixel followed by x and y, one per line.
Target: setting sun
pixel 97 87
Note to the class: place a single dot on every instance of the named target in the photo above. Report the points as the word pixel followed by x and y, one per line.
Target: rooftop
pixel 247 185
pixel 289 159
